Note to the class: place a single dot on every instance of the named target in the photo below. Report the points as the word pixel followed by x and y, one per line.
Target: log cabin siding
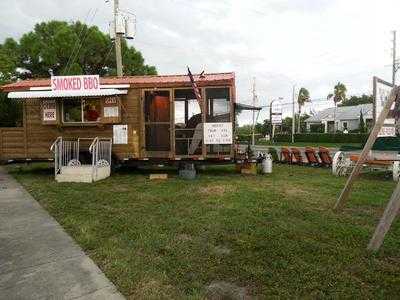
pixel 33 140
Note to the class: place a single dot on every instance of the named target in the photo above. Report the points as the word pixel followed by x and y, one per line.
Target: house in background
pixel 347 117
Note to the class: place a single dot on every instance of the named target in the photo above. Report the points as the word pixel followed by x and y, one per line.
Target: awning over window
pixel 59 94
pixel 240 107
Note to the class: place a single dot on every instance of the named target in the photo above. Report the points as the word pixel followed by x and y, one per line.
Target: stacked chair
pixel 294 156
pixel 326 158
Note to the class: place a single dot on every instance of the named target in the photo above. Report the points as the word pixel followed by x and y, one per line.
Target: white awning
pixel 66 94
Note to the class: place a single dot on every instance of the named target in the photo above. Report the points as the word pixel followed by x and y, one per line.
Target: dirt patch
pixel 215 190
pixel 221 250
pixel 296 191
pixel 122 188
pixel 183 237
pixel 154 289
pixel 221 290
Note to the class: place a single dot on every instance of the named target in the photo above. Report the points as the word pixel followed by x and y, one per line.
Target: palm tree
pixel 339 95
pixel 304 96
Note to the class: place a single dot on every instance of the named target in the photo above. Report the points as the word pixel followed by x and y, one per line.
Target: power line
pixel 77 41
pixel 83 40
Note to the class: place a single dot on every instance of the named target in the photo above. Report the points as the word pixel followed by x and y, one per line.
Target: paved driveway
pixel 38 259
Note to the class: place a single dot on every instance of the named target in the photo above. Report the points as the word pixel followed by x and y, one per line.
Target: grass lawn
pixel 274 236
pixel 305 144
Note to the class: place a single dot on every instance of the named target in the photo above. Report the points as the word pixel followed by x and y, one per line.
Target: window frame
pixel 82 122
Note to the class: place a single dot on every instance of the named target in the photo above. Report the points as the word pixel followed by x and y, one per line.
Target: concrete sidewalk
pixel 38 259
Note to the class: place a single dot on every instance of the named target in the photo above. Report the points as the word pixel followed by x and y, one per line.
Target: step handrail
pixel 95 141
pixel 55 142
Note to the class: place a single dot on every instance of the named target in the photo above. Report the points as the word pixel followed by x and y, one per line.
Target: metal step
pixel 82 174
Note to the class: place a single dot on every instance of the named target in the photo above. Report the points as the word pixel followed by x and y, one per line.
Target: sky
pixel 278 43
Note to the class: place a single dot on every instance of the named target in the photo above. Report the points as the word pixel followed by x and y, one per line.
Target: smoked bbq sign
pixel 75 83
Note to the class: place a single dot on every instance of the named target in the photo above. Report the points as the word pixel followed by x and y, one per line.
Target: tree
pixel 8 60
pixel 339 95
pixel 61 48
pixel 10 111
pixel 361 126
pixel 304 96
pixel 357 100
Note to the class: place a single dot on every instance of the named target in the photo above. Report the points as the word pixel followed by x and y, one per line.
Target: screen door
pixel 157 113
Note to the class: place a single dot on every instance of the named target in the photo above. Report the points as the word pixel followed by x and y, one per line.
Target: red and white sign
pixel 75 83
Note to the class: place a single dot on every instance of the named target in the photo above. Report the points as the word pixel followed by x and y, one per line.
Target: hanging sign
pixel 276 113
pixel 217 133
pixel 111 107
pixel 276 119
pixel 382 91
pixel 75 83
pixel 49 110
pixel 120 134
pixel 111 111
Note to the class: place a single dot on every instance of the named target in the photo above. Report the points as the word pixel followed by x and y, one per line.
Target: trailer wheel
pixel 74 163
pixel 340 165
pixel 396 170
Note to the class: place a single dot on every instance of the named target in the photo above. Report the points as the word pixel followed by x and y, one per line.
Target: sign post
pixel 379 123
pixel 384 105
pixel 275 113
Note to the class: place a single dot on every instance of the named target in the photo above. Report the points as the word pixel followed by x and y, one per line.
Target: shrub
pixel 356 138
pixel 274 154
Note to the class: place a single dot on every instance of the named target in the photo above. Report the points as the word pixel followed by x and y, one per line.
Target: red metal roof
pixel 138 81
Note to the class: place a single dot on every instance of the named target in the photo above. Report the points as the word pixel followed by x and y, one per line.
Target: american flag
pixel 195 89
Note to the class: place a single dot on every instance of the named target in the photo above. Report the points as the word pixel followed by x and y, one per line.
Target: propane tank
pixel 267 164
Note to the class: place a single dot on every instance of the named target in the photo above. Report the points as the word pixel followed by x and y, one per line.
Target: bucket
pixel 266 165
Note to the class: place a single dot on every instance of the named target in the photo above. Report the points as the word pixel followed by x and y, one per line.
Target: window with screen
pixel 218 104
pixel 81 110
pixel 188 123
pixel 72 110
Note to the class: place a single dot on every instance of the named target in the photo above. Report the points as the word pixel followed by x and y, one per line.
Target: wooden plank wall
pixel 39 137
pixel 12 144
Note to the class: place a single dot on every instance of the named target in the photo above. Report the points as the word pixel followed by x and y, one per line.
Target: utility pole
pixel 395 64
pixel 293 112
pixel 118 55
pixel 254 116
pixel 270 120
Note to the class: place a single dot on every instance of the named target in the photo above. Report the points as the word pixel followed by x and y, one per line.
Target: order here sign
pixel 75 83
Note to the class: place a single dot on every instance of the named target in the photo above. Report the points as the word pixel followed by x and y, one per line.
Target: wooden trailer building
pixel 136 118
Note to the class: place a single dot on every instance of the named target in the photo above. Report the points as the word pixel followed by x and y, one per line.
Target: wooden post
pixel 1 144
pixel 204 110
pixel 386 221
pixel 370 142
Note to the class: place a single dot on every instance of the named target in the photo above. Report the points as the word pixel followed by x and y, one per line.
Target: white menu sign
pixel 111 111
pixel 120 134
pixel 382 91
pixel 276 119
pixel 217 133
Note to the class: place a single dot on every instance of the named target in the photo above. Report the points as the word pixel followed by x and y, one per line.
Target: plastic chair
pixel 325 156
pixel 311 156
